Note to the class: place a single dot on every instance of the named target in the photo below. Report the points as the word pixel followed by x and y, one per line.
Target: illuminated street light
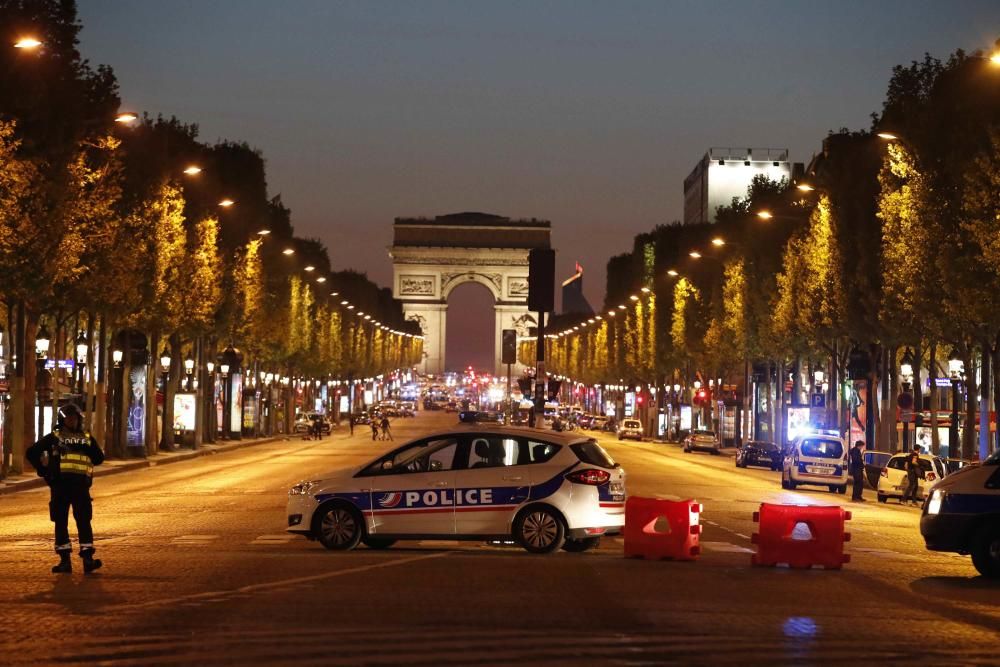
pixel 27 43
pixel 126 117
pixel 805 187
pixel 226 203
pixel 81 347
pixel 310 268
pixel 189 364
pixel 288 251
pixel 633 297
pixel 695 254
pixel 718 242
pixel 672 273
pixel 321 279
pixel 344 303
pixel 42 341
pixel 116 357
pixel 264 232
pixel 765 215
pixel 645 290
pixel 611 313
pixel 888 136
pixel 165 359
pixel 192 170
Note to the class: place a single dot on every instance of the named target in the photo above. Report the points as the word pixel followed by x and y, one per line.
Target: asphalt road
pixel 198 569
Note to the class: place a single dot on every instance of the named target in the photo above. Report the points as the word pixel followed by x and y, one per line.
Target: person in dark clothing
pixel 66 459
pixel 912 476
pixel 384 427
pixel 374 426
pixel 856 466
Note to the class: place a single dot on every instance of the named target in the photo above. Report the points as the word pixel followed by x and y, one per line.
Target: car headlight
pixel 302 488
pixel 934 504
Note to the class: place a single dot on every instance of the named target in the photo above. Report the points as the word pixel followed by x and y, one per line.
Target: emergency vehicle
pixel 545 490
pixel 962 515
pixel 819 459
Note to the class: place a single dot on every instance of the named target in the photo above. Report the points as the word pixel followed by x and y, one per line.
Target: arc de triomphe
pixel 432 256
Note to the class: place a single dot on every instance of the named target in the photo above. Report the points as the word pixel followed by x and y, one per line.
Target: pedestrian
pixel 66 458
pixel 374 426
pixel 856 465
pixel 384 425
pixel 912 475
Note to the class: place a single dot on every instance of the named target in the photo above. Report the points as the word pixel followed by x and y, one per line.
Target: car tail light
pixel 589 476
pixel 885 472
pixel 931 477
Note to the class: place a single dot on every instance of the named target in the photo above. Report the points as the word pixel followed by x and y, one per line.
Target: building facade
pixel 725 173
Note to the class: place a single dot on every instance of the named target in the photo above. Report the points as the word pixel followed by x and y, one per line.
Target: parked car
pixel 583 420
pixel 630 428
pixel 815 459
pixel 480 417
pixel 407 409
pixel 759 453
pixel 892 482
pixel 597 423
pixel 703 440
pixel 360 418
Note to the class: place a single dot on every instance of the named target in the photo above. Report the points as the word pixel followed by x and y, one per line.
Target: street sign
pixel 817 401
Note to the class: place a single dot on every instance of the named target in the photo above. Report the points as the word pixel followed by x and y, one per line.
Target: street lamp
pixel 165 359
pixel 955 369
pixel 81 357
pixel 27 43
pixel 905 399
pixel 42 342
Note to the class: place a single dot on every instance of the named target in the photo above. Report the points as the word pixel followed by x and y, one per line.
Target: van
pixel 962 515
pixel 816 459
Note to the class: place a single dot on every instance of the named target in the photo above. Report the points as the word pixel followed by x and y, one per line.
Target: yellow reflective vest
pixel 75 460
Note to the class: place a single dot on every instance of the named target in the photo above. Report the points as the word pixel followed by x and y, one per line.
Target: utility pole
pixel 541 299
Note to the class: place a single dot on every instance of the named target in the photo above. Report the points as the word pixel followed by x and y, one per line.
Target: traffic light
pixel 508 346
pixel 541 280
pixel 700 396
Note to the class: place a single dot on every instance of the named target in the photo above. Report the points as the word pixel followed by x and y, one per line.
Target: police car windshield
pixel 822 449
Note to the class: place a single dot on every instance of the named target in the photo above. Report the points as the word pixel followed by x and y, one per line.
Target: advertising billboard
pixel 236 404
pixel 184 411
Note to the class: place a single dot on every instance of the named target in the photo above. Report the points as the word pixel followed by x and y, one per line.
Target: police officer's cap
pixel 70 409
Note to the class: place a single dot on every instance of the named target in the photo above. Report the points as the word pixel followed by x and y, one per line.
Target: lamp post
pixel 955 369
pixel 42 339
pixel 189 369
pixel 81 358
pixel 905 400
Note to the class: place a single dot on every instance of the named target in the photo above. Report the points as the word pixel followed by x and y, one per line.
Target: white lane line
pixel 745 537
pixel 725 547
pixel 254 588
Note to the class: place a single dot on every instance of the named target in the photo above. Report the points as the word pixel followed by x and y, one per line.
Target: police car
pixel 962 515
pixel 545 490
pixel 818 459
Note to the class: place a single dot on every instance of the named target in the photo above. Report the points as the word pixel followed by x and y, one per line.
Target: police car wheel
pixel 579 546
pixel 842 489
pixel 882 498
pixel 377 542
pixel 986 551
pixel 339 528
pixel 539 530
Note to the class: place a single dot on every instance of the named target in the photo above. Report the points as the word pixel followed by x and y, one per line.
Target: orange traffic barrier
pixel 656 529
pixel 801 536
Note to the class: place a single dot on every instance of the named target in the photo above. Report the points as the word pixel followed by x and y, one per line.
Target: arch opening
pixel 471 328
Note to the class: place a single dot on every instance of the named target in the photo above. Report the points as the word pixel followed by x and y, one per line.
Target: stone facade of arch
pixel 431 257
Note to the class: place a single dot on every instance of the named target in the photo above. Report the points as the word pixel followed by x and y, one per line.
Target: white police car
pixel 962 515
pixel 818 459
pixel 546 490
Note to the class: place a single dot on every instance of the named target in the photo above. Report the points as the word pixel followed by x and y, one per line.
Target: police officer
pixel 856 466
pixel 66 459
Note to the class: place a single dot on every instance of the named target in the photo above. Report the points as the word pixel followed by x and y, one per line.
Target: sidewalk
pixel 29 480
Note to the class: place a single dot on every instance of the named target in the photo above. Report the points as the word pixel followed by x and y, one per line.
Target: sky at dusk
pixel 588 114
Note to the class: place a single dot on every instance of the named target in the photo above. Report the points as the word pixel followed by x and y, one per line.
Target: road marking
pixel 725 547
pixel 281 583
pixel 280 538
pixel 193 540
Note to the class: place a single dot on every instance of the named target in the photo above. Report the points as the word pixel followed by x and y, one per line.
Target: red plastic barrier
pixel 656 529
pixel 801 536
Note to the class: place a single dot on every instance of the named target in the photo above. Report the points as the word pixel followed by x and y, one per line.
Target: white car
pixel 630 428
pixel 816 459
pixel 892 481
pixel 545 490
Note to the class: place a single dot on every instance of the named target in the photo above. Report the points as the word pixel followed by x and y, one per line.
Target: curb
pixel 138 464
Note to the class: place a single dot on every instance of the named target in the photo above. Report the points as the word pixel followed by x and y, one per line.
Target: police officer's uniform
pixel 66 459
